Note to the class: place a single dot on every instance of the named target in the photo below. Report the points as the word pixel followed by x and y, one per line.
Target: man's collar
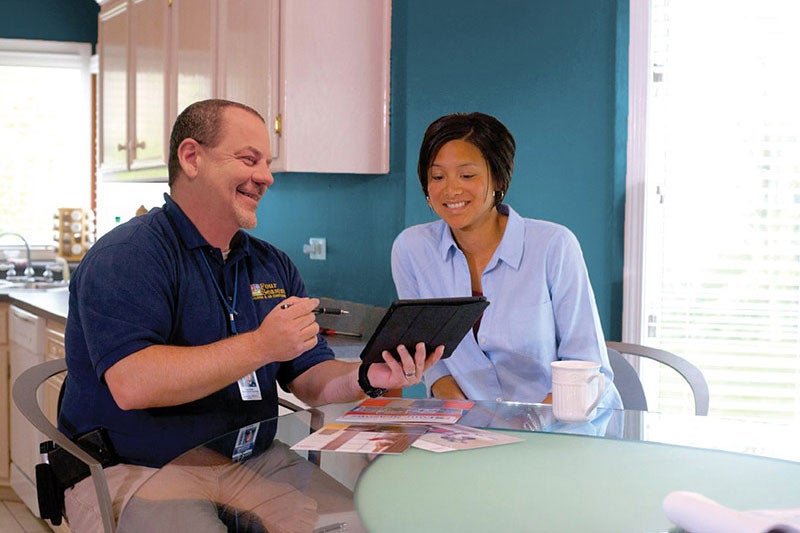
pixel 191 236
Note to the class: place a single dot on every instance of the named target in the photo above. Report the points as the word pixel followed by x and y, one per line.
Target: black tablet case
pixel 434 321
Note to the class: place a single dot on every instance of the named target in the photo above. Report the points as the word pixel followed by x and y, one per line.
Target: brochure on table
pixel 391 425
pixel 453 437
pixel 362 438
pixel 396 410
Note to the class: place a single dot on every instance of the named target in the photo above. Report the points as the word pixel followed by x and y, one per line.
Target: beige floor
pixel 16 518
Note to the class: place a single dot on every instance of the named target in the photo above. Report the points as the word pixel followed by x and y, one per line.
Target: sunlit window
pixel 722 231
pixel 45 132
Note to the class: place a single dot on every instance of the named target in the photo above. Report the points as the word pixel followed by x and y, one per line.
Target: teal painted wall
pixel 554 71
pixel 549 70
pixel 49 20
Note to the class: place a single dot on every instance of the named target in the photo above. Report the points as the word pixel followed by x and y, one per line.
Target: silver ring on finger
pixel 410 374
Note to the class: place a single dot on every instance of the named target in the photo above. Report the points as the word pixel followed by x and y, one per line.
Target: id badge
pixel 248 387
pixel 245 441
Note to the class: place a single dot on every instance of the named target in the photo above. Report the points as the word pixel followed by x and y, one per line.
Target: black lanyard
pixel 231 309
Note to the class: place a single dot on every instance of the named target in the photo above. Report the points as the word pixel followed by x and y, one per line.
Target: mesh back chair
pixel 24 393
pixel 630 387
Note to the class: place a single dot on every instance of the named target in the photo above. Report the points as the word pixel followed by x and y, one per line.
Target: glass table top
pixel 250 479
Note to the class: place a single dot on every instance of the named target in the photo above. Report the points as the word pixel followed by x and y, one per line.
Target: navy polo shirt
pixel 149 281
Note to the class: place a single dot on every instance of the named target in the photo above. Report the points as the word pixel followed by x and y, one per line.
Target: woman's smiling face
pixel 460 186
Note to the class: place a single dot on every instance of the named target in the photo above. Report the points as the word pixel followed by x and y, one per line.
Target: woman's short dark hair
pixel 485 132
pixel 201 121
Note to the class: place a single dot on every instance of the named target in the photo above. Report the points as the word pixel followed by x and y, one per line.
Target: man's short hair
pixel 201 121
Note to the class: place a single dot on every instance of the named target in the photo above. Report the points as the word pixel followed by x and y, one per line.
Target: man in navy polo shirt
pixel 180 323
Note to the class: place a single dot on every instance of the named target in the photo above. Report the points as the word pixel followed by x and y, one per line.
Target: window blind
pixel 722 259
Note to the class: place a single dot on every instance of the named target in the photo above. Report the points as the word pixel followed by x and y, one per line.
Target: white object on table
pixel 699 514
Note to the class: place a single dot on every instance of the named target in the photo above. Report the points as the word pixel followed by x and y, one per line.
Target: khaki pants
pixel 202 491
pixel 82 507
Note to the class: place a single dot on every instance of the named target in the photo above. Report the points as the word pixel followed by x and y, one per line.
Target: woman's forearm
pixel 446 387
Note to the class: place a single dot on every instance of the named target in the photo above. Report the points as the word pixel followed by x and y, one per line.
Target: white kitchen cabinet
pixel 248 60
pixel 133 71
pixel 51 390
pixel 334 86
pixel 149 24
pixel 317 71
pixel 26 349
pixel 112 48
pixel 193 32
pixel 26 339
pixel 5 397
pixel 54 349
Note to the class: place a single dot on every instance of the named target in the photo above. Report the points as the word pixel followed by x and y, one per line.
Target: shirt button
pixel 488 367
pixel 499 400
pixel 483 340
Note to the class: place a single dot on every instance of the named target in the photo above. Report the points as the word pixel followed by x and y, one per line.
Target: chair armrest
pixel 24 393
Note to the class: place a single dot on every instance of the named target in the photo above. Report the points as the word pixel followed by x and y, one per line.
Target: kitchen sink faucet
pixel 11 273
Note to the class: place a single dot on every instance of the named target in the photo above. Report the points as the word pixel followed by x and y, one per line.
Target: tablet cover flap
pixel 433 321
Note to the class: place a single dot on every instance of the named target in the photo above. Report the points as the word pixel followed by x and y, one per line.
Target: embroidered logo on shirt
pixel 264 291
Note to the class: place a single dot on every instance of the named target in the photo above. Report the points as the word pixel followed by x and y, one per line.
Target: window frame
pixel 633 318
pixel 61 54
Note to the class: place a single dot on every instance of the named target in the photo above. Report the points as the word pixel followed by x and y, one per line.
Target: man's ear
pixel 188 155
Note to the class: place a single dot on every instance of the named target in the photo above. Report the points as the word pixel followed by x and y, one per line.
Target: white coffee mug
pixel 577 389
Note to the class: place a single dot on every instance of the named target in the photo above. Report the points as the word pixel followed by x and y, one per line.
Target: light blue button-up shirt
pixel 542 307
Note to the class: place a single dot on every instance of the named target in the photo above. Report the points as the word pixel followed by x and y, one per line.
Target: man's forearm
pixel 162 376
pixel 328 382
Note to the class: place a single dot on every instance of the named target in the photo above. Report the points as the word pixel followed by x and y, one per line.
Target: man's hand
pixel 394 374
pixel 290 329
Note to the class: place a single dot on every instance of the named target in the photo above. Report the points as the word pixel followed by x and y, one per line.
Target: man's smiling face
pixel 237 169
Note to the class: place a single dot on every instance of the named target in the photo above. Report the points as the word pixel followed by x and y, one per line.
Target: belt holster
pixel 63 470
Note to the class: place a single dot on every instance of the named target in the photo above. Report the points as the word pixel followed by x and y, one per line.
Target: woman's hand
pixel 394 374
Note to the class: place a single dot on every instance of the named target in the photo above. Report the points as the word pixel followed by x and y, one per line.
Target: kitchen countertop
pixel 346 349
pixel 52 304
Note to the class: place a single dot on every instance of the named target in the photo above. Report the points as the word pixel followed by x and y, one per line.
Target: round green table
pixel 562 483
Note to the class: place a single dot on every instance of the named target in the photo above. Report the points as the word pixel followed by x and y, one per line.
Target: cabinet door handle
pixel 140 145
pixel 121 147
pixel 278 125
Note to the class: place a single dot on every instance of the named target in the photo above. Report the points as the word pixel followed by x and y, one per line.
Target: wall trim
pixel 638 71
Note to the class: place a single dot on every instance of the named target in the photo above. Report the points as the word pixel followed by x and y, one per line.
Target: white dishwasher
pixel 26 335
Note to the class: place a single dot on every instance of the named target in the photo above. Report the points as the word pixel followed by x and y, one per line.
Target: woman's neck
pixel 479 244
pixel 483 239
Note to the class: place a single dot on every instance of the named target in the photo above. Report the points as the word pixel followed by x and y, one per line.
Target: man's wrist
pixel 366 386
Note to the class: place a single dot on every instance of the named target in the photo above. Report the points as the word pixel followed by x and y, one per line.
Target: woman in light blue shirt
pixel 542 305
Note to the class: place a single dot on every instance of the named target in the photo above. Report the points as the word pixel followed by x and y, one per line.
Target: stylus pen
pixel 328 331
pixel 330 311
pixel 323 310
